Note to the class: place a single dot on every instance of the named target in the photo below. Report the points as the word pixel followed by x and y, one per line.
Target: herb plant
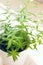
pixel 15 39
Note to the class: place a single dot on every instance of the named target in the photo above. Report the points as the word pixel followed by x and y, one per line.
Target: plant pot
pixel 27 57
pixel 23 59
pixel 1 62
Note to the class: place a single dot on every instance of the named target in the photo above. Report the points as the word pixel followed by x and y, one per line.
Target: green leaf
pixel 9 44
pixel 14 54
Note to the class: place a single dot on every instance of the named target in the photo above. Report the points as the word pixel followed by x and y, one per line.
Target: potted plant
pixel 21 36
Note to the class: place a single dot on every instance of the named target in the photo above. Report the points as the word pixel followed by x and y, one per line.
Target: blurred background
pixel 35 6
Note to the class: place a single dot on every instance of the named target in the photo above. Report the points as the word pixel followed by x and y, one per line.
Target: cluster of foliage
pixel 19 37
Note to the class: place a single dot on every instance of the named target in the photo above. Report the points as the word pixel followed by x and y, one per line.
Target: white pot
pixel 1 61
pixel 24 59
pixel 27 57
